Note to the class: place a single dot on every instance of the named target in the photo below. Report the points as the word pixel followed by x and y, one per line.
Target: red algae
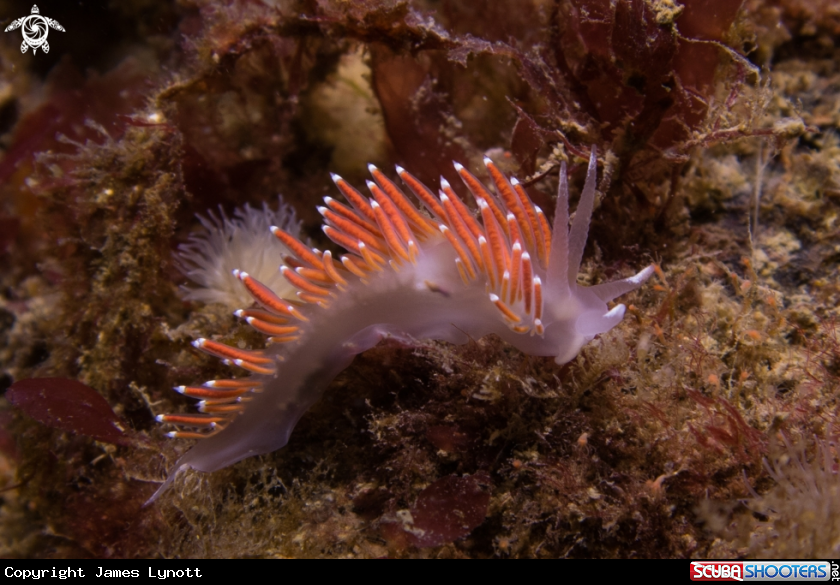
pixel 70 406
pixel 449 509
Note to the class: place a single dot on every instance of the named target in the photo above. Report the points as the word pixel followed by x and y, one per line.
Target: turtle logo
pixel 35 29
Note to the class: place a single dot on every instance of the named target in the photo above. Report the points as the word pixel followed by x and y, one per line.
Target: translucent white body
pixel 427 298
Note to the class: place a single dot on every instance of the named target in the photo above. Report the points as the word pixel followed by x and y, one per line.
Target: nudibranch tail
pixel 429 270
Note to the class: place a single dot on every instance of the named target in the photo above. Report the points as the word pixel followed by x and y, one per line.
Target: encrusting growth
pixel 408 272
pixel 208 257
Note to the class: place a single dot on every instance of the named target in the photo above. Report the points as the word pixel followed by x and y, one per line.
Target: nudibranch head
pixel 436 271
pixel 574 313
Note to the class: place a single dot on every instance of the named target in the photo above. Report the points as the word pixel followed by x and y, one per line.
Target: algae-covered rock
pixel 696 428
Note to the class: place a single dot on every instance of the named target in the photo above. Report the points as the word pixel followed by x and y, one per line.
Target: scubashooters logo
pixel 35 29
pixel 762 571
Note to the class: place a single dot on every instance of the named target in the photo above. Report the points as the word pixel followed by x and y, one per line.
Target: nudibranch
pixel 437 271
